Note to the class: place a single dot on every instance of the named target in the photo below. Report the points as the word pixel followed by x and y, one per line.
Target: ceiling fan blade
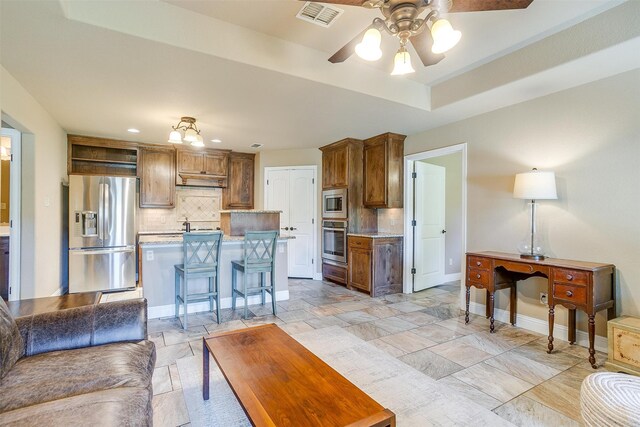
pixel 348 49
pixel 422 43
pixel 345 2
pixel 481 5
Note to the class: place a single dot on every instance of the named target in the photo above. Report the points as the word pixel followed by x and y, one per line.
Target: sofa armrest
pixel 84 326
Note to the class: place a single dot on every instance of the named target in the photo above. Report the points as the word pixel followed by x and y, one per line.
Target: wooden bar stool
pixel 201 260
pixel 259 257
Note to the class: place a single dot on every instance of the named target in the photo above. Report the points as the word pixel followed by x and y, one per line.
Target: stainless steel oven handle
pixel 334 229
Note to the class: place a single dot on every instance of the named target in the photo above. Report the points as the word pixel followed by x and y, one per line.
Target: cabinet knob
pixel 569 293
pixel 569 277
pixel 477 276
pixel 478 263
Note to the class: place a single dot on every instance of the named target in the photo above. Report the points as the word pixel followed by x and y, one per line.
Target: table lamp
pixel 534 185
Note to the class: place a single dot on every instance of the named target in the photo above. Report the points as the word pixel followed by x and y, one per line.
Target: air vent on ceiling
pixel 319 14
pixel 256 145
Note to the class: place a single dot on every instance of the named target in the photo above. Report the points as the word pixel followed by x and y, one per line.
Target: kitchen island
pixel 159 254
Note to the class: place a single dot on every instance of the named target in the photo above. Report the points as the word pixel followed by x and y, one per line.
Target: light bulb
pixel 444 36
pixel 369 48
pixel 175 137
pixel 402 63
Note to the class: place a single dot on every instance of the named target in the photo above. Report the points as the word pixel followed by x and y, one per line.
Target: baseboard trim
pixel 197 307
pixel 57 293
pixel 452 277
pixel 542 327
pixel 317 276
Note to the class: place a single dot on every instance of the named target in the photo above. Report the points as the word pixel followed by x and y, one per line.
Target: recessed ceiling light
pixel 216 141
pixel 256 145
pixel 133 130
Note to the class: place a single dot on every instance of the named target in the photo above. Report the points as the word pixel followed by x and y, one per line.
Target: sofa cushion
pixel 11 344
pixel 59 374
pixel 125 406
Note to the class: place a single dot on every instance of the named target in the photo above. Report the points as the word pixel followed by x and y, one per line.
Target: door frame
pixel 409 160
pixel 15 200
pixel 316 221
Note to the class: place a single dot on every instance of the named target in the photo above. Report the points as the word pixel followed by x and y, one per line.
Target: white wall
pixel 588 135
pixel 44 164
pixel 295 157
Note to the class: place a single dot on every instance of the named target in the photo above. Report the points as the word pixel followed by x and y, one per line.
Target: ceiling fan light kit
pixel 369 48
pixel 402 63
pixel 191 132
pixel 402 20
pixel 444 36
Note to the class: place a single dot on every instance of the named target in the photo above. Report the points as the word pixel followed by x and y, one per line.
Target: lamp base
pixel 532 256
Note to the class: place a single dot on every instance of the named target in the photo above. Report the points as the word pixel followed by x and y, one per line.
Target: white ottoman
pixel 610 399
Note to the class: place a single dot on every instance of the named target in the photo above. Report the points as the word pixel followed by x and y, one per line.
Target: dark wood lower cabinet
pixel 4 267
pixel 375 264
pixel 335 273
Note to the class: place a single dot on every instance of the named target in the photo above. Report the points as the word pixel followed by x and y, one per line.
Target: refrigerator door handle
pixel 102 251
pixel 106 209
pixel 100 214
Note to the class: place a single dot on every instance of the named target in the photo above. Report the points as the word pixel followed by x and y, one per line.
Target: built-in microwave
pixel 334 203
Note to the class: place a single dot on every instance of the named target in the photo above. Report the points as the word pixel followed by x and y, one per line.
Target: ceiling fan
pixel 430 35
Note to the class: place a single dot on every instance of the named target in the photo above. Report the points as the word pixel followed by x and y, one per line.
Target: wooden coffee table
pixel 278 382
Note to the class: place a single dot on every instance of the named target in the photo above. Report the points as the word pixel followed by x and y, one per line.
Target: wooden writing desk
pixel 587 286
pixel 278 382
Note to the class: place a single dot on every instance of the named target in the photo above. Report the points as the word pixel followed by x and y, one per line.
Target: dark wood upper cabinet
pixel 203 168
pixel 239 192
pixel 383 184
pixel 157 177
pixel 335 165
pixel 87 155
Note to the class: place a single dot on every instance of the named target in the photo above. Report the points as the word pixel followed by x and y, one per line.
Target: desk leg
pixel 205 370
pixel 572 326
pixel 491 307
pixel 513 304
pixel 466 313
pixel 551 320
pixel 592 337
pixel 487 308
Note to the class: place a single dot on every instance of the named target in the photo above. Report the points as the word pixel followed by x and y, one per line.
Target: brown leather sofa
pixel 83 366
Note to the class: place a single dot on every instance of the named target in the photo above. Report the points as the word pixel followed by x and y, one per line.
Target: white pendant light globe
pixel 199 142
pixel 444 36
pixel 190 135
pixel 369 48
pixel 402 63
pixel 175 137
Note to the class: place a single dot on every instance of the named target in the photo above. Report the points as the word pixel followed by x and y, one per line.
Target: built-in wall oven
pixel 334 203
pixel 334 240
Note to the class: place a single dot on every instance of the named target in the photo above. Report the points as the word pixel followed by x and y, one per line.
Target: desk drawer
pixel 570 276
pixel 478 263
pixel 575 294
pixel 479 278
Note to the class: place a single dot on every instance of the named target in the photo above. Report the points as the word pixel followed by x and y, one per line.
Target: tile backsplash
pixel 391 220
pixel 200 205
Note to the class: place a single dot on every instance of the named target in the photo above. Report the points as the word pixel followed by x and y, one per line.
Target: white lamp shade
pixel 444 36
pixel 535 185
pixel 175 137
pixel 402 63
pixel 369 48
pixel 199 142
pixel 190 135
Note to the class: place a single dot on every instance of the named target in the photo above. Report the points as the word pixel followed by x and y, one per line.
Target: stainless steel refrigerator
pixel 102 233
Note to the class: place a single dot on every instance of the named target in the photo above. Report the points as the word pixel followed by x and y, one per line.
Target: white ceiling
pixel 249 71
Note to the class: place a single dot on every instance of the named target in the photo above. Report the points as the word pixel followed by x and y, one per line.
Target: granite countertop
pixel 254 211
pixel 163 239
pixel 375 235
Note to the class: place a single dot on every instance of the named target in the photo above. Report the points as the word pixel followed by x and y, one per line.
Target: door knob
pixel 292 228
pixel 444 231
pixel 285 228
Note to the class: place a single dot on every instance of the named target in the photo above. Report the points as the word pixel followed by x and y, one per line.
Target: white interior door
pixel 429 241
pixel 14 138
pixel 293 191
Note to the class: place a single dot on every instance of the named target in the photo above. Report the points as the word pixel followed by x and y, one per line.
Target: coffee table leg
pixel 205 370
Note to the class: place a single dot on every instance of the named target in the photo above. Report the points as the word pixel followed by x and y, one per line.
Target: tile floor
pixel 508 372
